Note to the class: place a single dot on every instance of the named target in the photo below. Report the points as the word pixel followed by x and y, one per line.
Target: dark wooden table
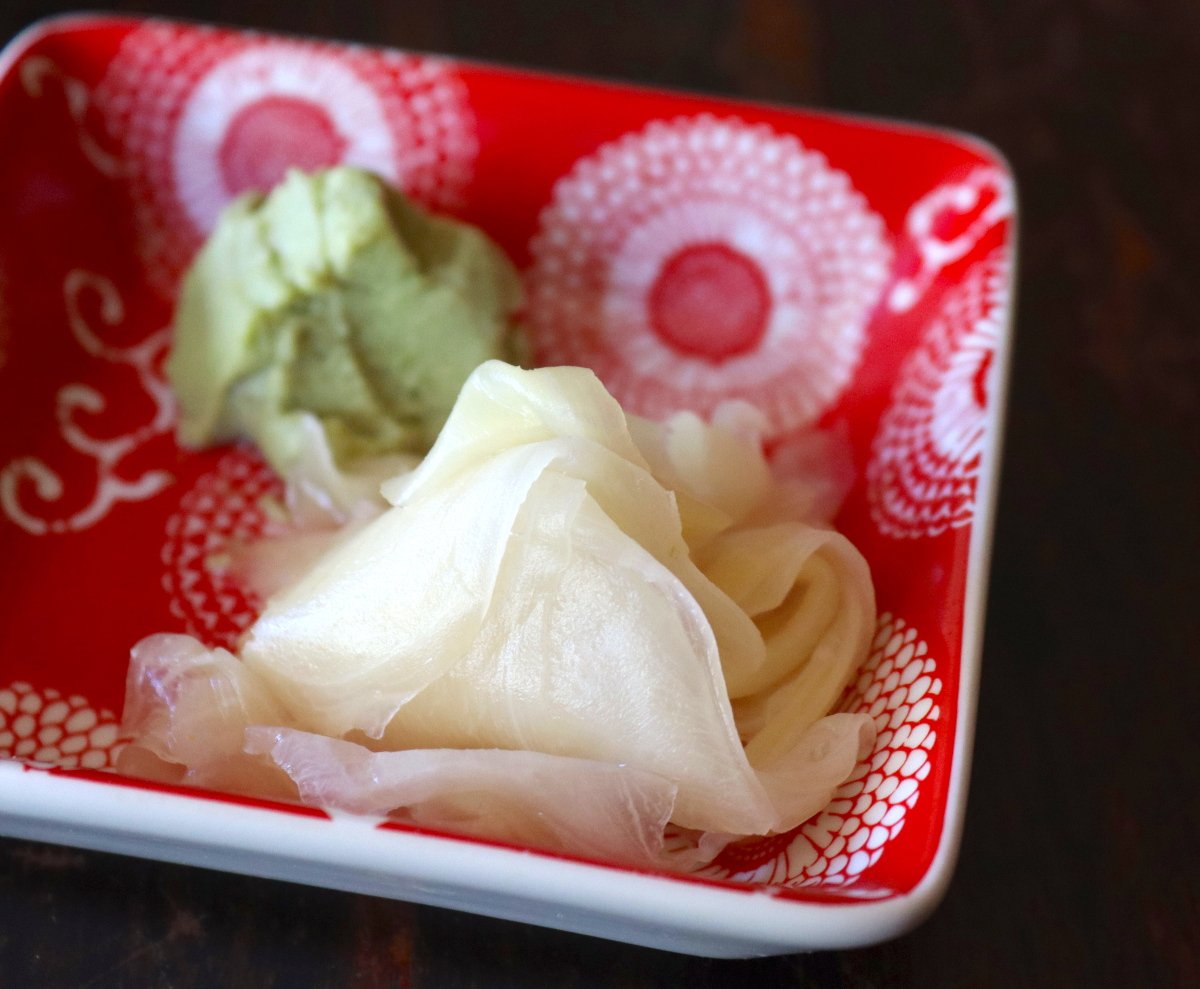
pixel 1080 862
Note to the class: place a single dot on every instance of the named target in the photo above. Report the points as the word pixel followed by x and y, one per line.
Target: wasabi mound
pixel 335 306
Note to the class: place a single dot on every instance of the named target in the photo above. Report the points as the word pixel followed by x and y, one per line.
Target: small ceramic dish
pixel 859 276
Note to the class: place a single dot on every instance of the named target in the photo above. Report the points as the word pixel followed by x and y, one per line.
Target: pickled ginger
pixel 570 628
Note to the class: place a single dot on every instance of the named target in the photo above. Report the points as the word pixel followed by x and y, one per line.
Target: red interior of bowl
pixel 839 273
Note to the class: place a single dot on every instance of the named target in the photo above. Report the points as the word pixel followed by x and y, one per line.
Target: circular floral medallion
pixel 203 115
pixel 700 260
pixel 926 455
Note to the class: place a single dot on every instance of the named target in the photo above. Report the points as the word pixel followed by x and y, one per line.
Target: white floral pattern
pixel 74 403
pixel 41 75
pixel 202 115
pixel 973 205
pixel 926 455
pixel 44 727
pixel 706 259
pixel 899 687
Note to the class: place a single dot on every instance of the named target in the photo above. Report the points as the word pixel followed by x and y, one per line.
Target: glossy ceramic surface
pixel 846 274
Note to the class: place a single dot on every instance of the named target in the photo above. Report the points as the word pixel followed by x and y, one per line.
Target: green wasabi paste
pixel 336 297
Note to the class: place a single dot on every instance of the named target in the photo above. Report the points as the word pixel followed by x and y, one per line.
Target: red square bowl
pixel 847 274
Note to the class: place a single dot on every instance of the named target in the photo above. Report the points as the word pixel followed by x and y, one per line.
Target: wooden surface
pixel 1080 863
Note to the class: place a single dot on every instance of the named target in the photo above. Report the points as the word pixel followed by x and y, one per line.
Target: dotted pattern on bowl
pixel 44 727
pixel 229 505
pixel 926 455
